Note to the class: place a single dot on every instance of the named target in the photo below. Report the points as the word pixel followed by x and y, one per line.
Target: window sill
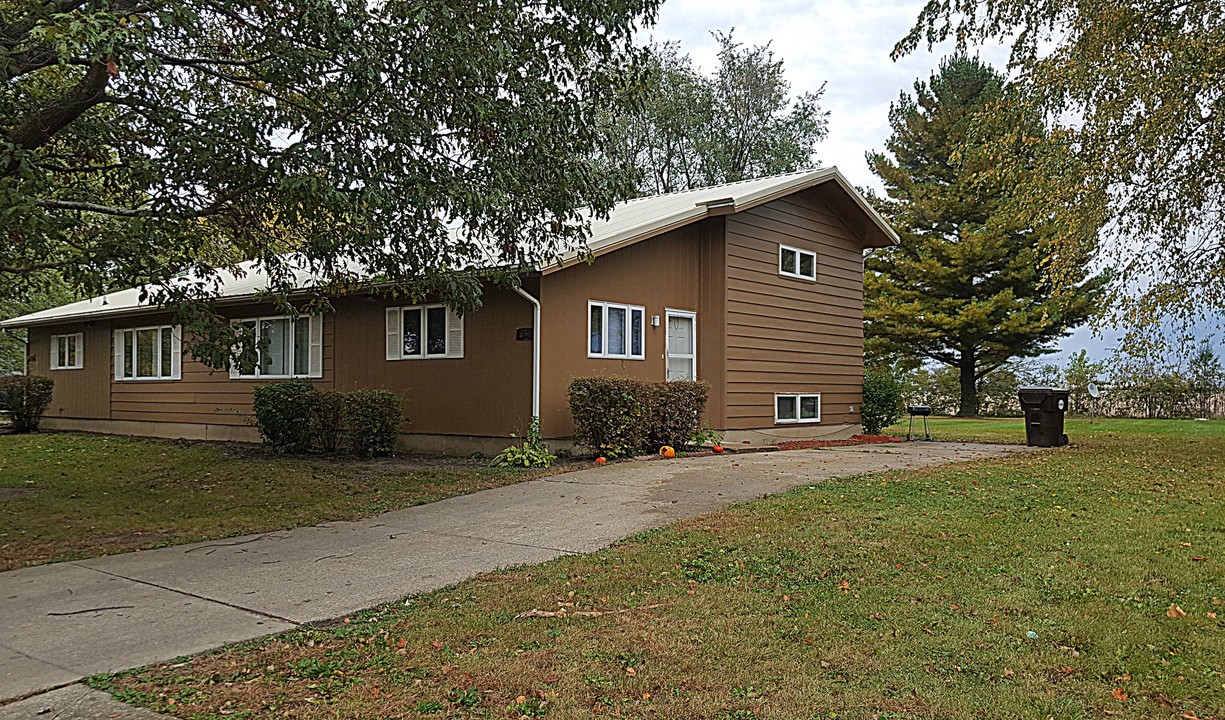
pixel 616 357
pixel 423 357
pixel 148 379
pixel 813 421
pixel 790 276
pixel 77 367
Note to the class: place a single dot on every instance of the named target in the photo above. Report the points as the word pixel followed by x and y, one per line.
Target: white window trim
pixel 796 420
pixel 798 252
pixel 668 354
pixel 121 350
pixel 314 348
pixel 453 332
pixel 55 352
pixel 629 328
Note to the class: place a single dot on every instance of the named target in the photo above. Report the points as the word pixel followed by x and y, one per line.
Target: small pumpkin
pixel 601 461
pixel 667 451
pixel 717 449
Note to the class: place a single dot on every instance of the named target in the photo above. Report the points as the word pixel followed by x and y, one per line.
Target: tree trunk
pixel 969 388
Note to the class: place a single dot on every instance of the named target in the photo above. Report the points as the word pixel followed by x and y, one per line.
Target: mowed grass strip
pixel 1035 586
pixel 66 496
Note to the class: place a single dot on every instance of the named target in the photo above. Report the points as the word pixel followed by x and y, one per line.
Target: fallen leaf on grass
pixel 631 671
pixel 1198 558
pixel 1211 615
pixel 1008 673
pixel 1175 612
pixel 1119 694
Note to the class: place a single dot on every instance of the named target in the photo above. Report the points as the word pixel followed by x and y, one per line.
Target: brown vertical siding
pixel 659 274
pixel 78 393
pixel 786 334
pixel 487 392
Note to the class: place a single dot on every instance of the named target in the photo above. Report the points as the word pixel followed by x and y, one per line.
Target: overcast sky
pixel 844 44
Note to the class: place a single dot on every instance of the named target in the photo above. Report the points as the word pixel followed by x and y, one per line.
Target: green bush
pixel 26 399
pixel 673 412
pixel 616 416
pixel 608 415
pixel 372 421
pixel 882 400
pixel 283 415
pixel 532 452
pixel 327 414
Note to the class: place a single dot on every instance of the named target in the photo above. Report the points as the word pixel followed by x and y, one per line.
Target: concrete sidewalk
pixel 64 621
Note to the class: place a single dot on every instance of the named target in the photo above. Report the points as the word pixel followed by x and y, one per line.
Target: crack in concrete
pixel 501 542
pixel 91 610
pixel 184 593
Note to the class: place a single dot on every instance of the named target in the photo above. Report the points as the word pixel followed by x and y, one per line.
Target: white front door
pixel 682 345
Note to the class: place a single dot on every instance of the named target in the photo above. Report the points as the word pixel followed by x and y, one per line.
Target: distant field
pixel 1012 430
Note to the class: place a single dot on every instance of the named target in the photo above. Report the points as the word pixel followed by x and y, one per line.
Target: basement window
pixel 797 408
pixel 797 263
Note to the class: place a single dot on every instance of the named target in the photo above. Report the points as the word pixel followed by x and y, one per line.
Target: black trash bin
pixel 1044 409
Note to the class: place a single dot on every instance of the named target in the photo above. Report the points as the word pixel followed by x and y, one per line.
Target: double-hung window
pixel 420 332
pixel 280 347
pixel 797 408
pixel 615 331
pixel 148 353
pixel 797 263
pixel 68 352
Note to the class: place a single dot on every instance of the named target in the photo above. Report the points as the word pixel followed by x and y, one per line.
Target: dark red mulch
pixel 853 440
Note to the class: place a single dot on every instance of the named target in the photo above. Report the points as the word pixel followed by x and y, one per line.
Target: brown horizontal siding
pixel 788 334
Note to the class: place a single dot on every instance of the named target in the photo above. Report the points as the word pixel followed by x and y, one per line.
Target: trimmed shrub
pixel 617 416
pixel 26 398
pixel 283 415
pixel 327 414
pixel 674 412
pixel 608 414
pixel 882 400
pixel 372 421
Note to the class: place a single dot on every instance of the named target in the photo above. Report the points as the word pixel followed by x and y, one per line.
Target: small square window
pixel 67 352
pixel 786 407
pixel 797 263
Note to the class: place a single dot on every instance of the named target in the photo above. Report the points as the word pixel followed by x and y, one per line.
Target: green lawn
pixel 65 495
pixel 1034 586
pixel 1078 429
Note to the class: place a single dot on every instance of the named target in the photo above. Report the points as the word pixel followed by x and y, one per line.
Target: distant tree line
pixel 1130 387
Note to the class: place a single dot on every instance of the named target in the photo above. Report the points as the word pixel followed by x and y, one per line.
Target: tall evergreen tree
pixel 965 287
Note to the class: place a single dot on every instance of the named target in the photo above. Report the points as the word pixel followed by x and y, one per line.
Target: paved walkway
pixel 64 621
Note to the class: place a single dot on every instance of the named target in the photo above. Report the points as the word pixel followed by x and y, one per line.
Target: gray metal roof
pixel 628 222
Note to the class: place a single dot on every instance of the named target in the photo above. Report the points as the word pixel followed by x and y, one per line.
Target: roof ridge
pixel 728 185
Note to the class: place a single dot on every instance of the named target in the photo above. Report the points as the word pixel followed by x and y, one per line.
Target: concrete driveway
pixel 64 621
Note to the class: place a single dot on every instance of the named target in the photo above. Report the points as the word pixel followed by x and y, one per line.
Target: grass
pixel 65 496
pixel 1012 430
pixel 1034 586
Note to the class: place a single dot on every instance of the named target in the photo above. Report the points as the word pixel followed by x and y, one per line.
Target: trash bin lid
pixel 919 409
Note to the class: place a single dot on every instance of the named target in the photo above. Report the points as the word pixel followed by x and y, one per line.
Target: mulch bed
pixel 853 440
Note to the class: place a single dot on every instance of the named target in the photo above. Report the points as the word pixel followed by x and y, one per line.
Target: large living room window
pixel 615 331
pixel 419 332
pixel 148 353
pixel 68 352
pixel 797 408
pixel 283 347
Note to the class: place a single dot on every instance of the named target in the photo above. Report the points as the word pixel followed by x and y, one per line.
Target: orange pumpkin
pixel 667 451
pixel 601 461
pixel 718 449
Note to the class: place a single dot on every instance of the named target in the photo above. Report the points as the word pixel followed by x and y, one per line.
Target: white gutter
pixel 535 349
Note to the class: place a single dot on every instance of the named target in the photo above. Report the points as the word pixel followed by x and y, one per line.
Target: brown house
pixel 755 287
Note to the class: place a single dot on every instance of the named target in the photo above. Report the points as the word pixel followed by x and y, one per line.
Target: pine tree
pixel 965 286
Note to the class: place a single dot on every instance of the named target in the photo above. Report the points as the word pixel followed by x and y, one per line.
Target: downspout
pixel 535 350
